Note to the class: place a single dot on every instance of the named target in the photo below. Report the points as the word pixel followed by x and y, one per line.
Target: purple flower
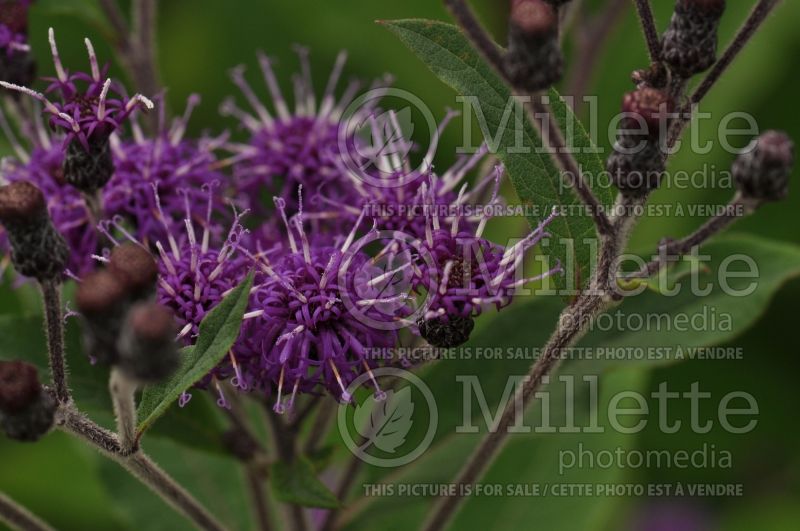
pixel 395 196
pixel 91 108
pixel 465 271
pixel 289 148
pixel 302 335
pixel 184 170
pixel 92 113
pixel 179 167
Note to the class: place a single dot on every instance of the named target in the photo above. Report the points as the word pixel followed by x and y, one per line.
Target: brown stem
pixel 592 38
pixel 738 208
pixel 753 22
pixel 122 390
pixel 285 442
pixel 138 464
pixel 472 27
pixel 325 415
pixel 258 498
pixel 18 517
pixel 649 29
pixel 573 324
pixel 54 327
pixel 571 173
pixel 144 35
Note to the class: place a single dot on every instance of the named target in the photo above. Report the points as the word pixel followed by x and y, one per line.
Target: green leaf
pixel 296 482
pixel 534 457
pixel 445 50
pixel 218 332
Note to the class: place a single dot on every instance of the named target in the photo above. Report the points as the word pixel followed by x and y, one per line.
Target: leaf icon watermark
pixel 385 423
pixel 379 431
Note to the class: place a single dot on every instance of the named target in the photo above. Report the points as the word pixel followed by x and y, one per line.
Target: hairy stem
pixel 753 22
pixel 123 391
pixel 18 517
pixel 54 328
pixel 138 464
pixel 573 324
pixel 258 498
pixel 286 445
pixel 144 35
pixel 648 23
pixel 553 139
pixel 322 421
pixel 592 38
pixel 472 27
pixel 671 251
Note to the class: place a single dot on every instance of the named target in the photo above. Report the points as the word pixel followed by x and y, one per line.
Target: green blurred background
pixel 201 39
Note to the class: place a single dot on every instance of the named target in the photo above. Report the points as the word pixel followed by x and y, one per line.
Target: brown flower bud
pixel 534 60
pixel 37 249
pixel 763 171
pixel 137 267
pixel 147 347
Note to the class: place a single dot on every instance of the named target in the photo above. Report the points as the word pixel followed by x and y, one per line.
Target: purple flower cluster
pixel 366 261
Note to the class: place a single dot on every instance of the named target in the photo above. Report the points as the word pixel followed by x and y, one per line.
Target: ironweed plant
pixel 284 265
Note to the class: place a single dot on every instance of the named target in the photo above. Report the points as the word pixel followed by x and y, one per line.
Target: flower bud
pixel 89 167
pixel 37 249
pixel 534 60
pixel 637 163
pixel 102 299
pixel 16 61
pixel 147 347
pixel 134 265
pixel 690 42
pixel 26 409
pixel 763 171
pixel 446 331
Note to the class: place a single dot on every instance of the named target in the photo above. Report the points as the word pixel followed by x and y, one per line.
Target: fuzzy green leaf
pixel 537 180
pixel 218 331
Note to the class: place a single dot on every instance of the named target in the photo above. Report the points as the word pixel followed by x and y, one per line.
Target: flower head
pixel 292 147
pixel 467 271
pixel 91 107
pixel 183 169
pixel 303 336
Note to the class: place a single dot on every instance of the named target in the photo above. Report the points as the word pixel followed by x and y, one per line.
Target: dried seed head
pixel 652 105
pixel 19 386
pixel 16 61
pixel 37 249
pixel 102 299
pixel 14 15
pixel 636 165
pixel 89 170
pixel 137 267
pixel 100 293
pixel 446 331
pixel 26 409
pixel 690 43
pixel 763 171
pixel 22 202
pixel 147 347
pixel 534 60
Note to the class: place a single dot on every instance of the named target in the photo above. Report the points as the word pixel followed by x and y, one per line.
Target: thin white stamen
pixel 60 73
pixel 93 60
